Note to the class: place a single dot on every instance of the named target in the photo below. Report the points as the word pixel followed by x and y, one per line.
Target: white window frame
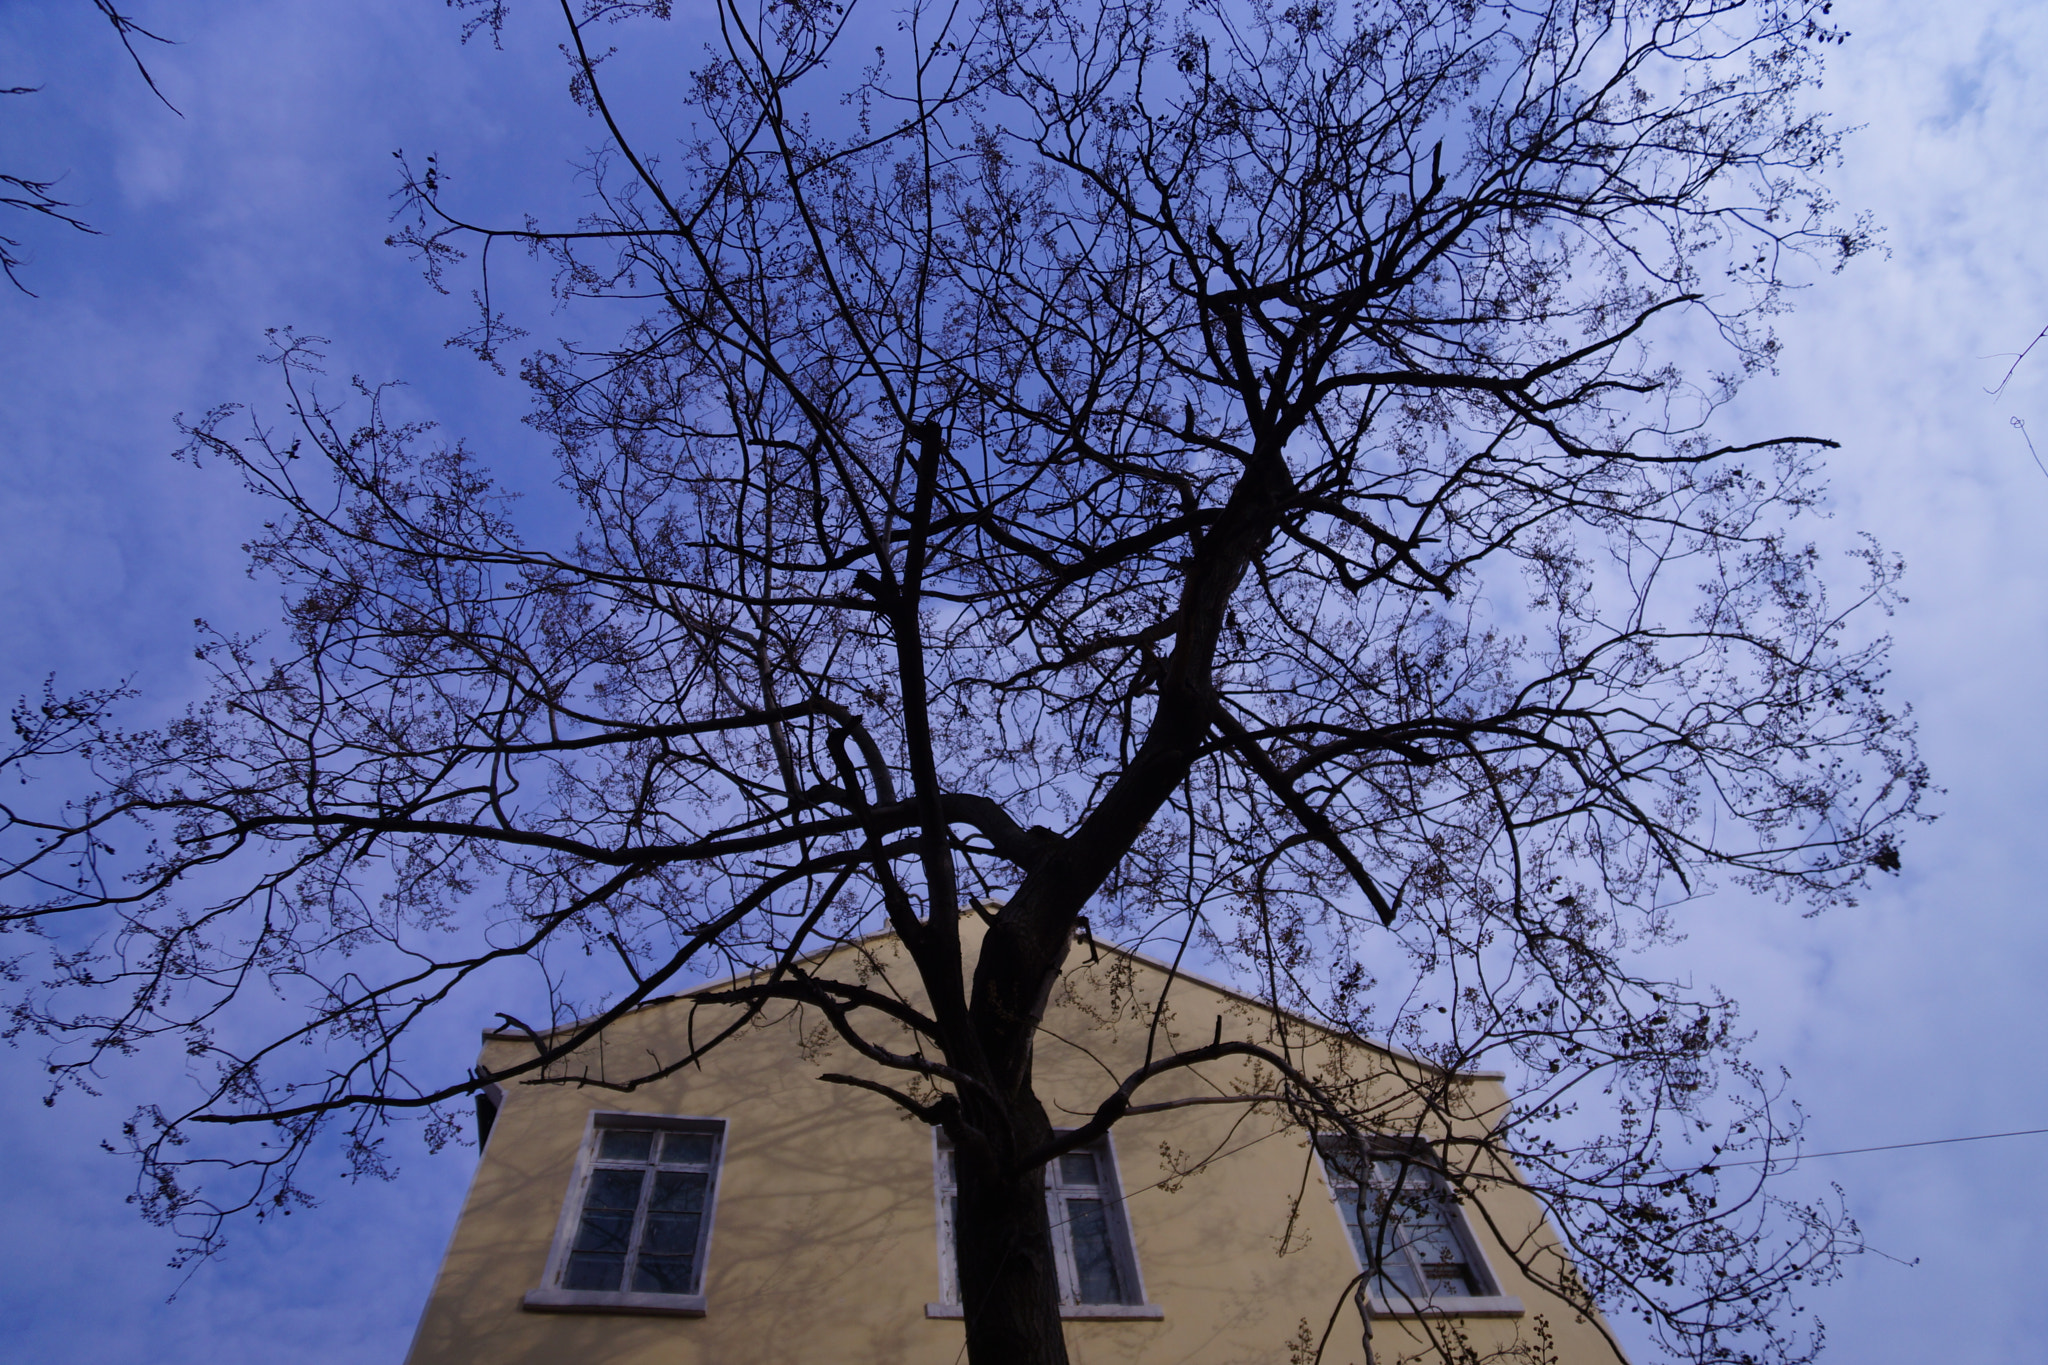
pixel 1123 1246
pixel 1489 1301
pixel 550 1297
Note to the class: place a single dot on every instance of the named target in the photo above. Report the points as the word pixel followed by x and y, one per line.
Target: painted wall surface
pixel 824 1244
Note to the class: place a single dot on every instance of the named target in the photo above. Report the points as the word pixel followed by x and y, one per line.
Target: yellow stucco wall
pixel 824 1246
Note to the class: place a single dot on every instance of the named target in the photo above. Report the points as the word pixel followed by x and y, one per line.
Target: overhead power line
pixel 1887 1147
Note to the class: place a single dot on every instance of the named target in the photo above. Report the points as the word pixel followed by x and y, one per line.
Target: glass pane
pixel 1433 1240
pixel 679 1191
pixel 1094 1261
pixel 610 1189
pixel 664 1274
pixel 604 1231
pixel 591 1271
pixel 670 1234
pixel 1399 1282
pixel 1447 1277
pixel 949 1175
pixel 1078 1168
pixel 686 1149
pixel 1345 1167
pixel 1347 1205
pixel 624 1144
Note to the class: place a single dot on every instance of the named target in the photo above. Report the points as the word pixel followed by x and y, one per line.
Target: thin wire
pixel 1887 1147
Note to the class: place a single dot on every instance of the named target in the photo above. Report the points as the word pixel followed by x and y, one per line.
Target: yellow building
pixel 745 1211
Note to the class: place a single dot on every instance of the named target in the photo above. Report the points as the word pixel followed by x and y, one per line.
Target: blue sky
pixel 1914 1016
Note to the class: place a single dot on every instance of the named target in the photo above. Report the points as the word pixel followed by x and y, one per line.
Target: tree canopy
pixel 1213 474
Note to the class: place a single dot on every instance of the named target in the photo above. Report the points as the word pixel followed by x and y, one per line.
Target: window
pixel 1091 1238
pixel 1411 1235
pixel 634 1232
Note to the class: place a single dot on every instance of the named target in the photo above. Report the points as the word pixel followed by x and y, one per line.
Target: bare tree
pixel 1214 473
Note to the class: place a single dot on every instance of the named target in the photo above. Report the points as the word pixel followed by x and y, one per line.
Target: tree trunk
pixel 1009 1282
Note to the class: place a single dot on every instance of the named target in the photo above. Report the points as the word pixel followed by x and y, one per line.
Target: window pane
pixel 686 1149
pixel 1345 1167
pixel 1078 1168
pixel 604 1230
pixel 1347 1205
pixel 665 1274
pixel 610 1189
pixel 1423 1218
pixel 1398 1284
pixel 1443 1259
pixel 668 1254
pixel 624 1144
pixel 670 1234
pixel 679 1191
pixel 1094 1262
pixel 1448 1277
pixel 590 1271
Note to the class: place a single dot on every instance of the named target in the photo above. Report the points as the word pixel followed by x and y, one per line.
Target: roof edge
pixel 1165 968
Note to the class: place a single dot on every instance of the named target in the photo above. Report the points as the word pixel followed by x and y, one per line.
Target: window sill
pixel 615 1301
pixel 1139 1312
pixel 1482 1306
